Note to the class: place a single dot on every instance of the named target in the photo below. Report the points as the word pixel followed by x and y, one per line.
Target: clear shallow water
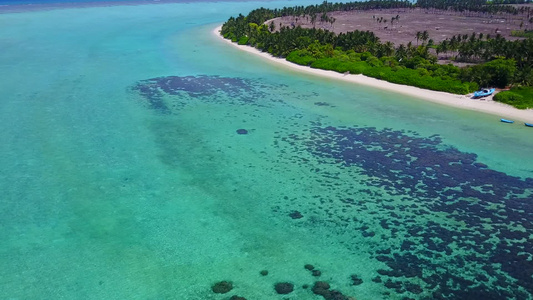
pixel 123 175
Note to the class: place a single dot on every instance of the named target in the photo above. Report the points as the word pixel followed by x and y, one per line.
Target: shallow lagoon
pixel 124 174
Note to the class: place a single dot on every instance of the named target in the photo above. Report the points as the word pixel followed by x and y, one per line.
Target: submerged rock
pixel 321 288
pixel 222 287
pixel 242 131
pixel 356 280
pixel 284 287
pixel 296 215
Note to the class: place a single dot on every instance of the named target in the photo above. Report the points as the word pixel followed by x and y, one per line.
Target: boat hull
pixel 506 121
pixel 483 93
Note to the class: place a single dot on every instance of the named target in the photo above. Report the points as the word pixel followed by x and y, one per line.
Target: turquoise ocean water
pixel 141 157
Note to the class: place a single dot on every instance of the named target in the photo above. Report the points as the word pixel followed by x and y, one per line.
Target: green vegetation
pixel 499 62
pixel 519 97
pixel 522 33
pixel 498 72
pixel 426 75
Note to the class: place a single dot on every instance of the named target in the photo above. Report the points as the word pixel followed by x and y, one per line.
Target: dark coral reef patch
pixel 222 287
pixel 462 230
pixel 284 287
pixel 229 90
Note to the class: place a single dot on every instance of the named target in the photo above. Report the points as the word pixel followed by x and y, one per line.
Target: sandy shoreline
pixel 461 101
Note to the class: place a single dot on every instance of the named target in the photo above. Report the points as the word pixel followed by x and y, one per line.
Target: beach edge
pixel 487 105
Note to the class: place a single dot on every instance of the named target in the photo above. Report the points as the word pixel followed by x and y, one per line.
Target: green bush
pixel 495 73
pixel 414 78
pixel 300 57
pixel 522 33
pixel 416 62
pixel 334 64
pixel 422 72
pixel 373 67
pixel 354 56
pixel 501 71
pixel 230 36
pixel 519 97
pixel 366 55
pixel 326 64
pixel 243 40
pixel 389 61
pixel 374 61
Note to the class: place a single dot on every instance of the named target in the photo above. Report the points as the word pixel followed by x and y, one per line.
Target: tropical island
pixel 449 46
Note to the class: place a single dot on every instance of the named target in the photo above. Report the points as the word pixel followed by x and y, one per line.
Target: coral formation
pixel 222 287
pixel 284 287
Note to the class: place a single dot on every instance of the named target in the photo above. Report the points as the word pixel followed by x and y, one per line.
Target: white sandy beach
pixel 487 105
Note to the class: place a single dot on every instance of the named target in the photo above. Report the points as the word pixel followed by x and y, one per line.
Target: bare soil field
pixel 439 24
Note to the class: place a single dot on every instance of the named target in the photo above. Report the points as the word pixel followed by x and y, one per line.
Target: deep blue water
pixel 97 1
pixel 119 2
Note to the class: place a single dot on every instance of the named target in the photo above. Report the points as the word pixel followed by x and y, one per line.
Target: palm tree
pixel 401 52
pixel 418 36
pixel 313 20
pixel 388 48
pixel 424 36
pixel 442 47
pixel 410 49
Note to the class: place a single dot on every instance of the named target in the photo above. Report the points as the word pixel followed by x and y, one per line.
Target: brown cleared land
pixel 439 24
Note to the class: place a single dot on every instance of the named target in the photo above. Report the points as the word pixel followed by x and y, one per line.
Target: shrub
pixel 522 33
pixel 301 57
pixel 354 56
pixel 422 72
pixel 374 61
pixel 508 97
pixel 389 61
pixel 334 64
pixel 501 71
pixel 414 78
pixel 243 40
pixel 365 55
pixel 519 97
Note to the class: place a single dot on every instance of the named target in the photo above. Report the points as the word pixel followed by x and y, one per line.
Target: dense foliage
pixel 427 75
pixel 520 97
pixel 500 62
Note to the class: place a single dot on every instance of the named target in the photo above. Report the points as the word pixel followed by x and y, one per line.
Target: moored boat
pixel 483 93
pixel 528 124
pixel 506 121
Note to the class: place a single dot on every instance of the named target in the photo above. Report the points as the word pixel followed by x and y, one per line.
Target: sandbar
pixel 487 105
